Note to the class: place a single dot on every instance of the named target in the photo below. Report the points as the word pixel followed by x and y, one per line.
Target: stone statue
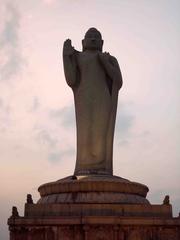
pixel 14 212
pixel 29 199
pixel 95 79
pixel 166 200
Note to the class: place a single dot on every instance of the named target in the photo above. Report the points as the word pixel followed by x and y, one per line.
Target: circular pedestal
pixel 93 189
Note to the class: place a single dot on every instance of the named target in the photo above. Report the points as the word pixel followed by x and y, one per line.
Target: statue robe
pixel 95 96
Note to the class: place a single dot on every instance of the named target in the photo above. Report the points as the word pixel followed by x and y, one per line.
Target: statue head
pixel 92 40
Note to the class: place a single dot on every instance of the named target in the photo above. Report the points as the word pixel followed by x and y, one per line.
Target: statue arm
pixel 112 68
pixel 70 63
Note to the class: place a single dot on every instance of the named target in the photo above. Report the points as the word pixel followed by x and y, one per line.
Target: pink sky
pixel 37 124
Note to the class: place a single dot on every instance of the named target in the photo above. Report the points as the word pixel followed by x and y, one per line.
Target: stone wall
pixel 89 229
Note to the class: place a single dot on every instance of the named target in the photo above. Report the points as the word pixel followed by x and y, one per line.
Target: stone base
pixel 93 189
pixel 95 207
pixel 94 228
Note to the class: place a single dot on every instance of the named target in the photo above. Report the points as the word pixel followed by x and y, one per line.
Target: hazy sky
pixel 37 124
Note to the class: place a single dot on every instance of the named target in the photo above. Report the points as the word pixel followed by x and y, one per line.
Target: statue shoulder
pixel 113 59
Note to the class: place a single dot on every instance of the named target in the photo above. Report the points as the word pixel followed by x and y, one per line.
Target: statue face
pixel 92 41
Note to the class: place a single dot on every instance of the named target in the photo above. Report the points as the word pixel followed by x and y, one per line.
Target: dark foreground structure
pixel 94 208
pixel 93 204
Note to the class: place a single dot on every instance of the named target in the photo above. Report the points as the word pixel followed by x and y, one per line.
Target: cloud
pixel 35 104
pixel 11 60
pixel 124 123
pixel 4 116
pixel 52 143
pixel 53 131
pixel 45 138
pixel 57 156
pixel 65 116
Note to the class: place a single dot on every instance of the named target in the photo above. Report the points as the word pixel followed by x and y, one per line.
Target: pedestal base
pixel 94 228
pixel 93 189
pixel 94 208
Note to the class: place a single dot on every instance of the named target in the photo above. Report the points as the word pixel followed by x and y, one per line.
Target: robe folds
pixel 95 96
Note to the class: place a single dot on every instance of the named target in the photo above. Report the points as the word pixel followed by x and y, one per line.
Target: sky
pixel 37 120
